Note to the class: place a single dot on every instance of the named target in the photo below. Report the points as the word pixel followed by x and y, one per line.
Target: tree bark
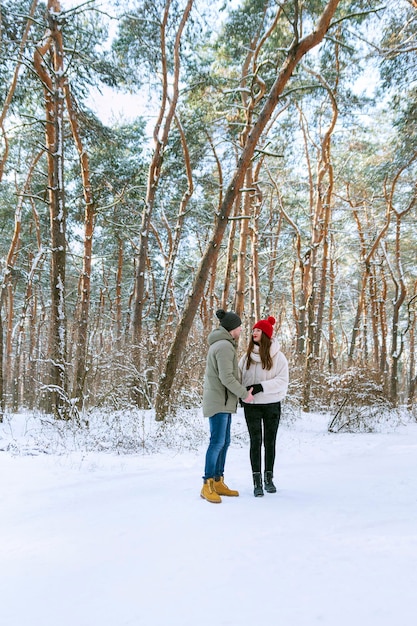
pixel 84 294
pixel 167 111
pixel 53 79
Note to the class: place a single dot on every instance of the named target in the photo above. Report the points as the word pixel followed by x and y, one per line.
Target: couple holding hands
pixel 260 381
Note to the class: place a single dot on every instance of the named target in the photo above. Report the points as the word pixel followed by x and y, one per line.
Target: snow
pixel 94 538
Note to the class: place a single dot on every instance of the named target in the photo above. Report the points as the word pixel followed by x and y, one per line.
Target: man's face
pixel 236 332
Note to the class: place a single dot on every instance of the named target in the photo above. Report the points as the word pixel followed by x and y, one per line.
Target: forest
pixel 271 169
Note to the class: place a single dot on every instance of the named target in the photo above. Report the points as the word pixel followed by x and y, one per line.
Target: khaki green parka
pixel 221 379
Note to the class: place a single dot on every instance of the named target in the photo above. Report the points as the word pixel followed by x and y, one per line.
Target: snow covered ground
pixel 93 538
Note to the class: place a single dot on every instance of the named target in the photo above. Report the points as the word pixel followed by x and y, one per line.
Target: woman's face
pixel 256 335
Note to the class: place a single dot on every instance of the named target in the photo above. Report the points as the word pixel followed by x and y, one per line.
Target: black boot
pixel 257 482
pixel 269 485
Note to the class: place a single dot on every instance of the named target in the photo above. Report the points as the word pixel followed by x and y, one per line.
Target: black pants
pixel 262 421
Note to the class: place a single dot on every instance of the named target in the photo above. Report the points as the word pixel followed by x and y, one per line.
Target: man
pixel 222 390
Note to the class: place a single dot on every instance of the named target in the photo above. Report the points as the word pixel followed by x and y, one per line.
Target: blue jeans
pixel 219 443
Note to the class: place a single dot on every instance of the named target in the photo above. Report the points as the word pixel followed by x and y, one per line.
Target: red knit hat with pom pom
pixel 266 326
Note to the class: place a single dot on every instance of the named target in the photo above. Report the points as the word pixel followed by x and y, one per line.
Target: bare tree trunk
pixel 305 262
pixel 375 321
pixel 299 308
pixel 54 82
pixel 1 370
pixel 255 206
pixel 332 361
pixel 34 264
pixel 31 387
pixel 398 276
pixel 167 111
pixel 241 268
pixel 170 263
pixel 412 377
pixel 255 302
pixel 230 254
pixel 311 291
pixel 316 279
pixel 84 295
pixel 322 213
pixel 7 286
pixel 382 305
pixel 119 275
pixel 367 256
pixel 296 52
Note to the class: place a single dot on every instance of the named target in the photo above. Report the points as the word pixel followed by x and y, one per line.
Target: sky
pixel 111 106
pixel 97 537
pixel 114 106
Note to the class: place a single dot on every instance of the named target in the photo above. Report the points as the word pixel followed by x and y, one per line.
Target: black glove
pixel 255 388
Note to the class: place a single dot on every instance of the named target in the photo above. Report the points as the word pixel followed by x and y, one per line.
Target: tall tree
pixel 161 133
pixel 49 65
pixel 4 155
pixel 84 294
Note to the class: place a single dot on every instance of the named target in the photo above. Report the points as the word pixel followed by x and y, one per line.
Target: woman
pixel 265 369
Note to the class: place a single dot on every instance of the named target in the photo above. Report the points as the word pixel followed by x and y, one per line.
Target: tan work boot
pixel 222 489
pixel 208 492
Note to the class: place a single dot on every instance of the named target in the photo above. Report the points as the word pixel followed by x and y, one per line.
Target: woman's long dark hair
pixel 264 352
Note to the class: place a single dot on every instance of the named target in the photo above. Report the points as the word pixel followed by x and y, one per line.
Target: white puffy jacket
pixel 273 381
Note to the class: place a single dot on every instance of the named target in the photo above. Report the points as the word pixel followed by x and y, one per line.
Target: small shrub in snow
pixel 127 431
